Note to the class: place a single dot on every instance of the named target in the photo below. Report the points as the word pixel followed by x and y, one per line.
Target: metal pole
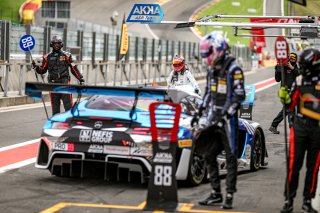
pixel 285 131
pixel 87 75
pixel 6 78
pixel 20 79
pixel 106 75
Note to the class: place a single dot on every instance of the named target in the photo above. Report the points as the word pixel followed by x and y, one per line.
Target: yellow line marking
pixel 187 207
pixel 182 207
pixel 62 205
pixel 54 208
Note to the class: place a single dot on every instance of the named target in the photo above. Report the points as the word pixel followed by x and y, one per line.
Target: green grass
pixel 225 7
pixel 312 9
pixel 9 9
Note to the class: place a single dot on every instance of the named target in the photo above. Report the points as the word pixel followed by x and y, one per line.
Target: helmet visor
pixel 177 65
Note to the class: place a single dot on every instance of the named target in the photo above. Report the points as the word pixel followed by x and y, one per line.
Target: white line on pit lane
pixel 17 165
pixel 22 107
pixel 19 145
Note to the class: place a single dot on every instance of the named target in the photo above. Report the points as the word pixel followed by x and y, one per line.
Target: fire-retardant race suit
pixel 305 133
pixel 224 93
pixel 57 64
pixel 180 75
pixel 291 71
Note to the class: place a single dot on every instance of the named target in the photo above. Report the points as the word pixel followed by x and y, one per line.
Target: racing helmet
pixel 309 62
pixel 56 40
pixel 213 46
pixel 178 63
pixel 293 58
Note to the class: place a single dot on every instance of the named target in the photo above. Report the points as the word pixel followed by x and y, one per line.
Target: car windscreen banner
pixel 247 104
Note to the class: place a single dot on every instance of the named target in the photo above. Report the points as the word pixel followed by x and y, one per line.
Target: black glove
pixel 195 120
pixel 81 80
pixel 218 121
pixel 200 111
pixel 196 91
pixel 33 64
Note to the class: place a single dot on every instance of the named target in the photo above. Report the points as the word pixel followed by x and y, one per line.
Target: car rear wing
pixel 35 89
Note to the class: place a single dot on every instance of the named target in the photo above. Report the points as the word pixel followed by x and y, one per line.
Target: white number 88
pixel 281 49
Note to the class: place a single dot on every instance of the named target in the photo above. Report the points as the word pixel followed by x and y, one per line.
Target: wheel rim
pixel 257 151
pixel 198 168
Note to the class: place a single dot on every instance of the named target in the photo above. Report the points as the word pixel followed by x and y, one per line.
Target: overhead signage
pixel 146 13
pixel 309 32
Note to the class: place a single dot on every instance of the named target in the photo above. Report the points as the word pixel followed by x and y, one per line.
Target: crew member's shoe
pixel 288 206
pixel 228 202
pixel 214 197
pixel 274 130
pixel 307 207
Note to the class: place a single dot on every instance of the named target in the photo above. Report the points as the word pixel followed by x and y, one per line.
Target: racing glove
pixel 218 120
pixel 195 120
pixel 200 111
pixel 81 80
pixel 231 111
pixel 284 96
pixel 33 64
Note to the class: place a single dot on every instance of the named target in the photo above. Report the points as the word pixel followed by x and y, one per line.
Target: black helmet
pixel 56 39
pixel 309 62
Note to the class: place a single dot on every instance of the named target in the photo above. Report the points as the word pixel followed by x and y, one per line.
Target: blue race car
pixel 108 135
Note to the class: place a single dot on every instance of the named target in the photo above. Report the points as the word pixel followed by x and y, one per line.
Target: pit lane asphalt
pixel 28 189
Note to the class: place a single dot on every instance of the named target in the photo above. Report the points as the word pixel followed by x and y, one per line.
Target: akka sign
pixel 146 13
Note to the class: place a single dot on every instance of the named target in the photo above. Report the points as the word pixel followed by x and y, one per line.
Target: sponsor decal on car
pixel 120 150
pixel 63 146
pixel 163 157
pixel 248 151
pixel 185 143
pixel 95 148
pixel 98 136
pixel 141 151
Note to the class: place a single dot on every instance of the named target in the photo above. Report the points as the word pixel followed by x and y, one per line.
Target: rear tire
pixel 256 151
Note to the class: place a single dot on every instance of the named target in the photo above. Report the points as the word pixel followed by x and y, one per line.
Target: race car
pixel 108 134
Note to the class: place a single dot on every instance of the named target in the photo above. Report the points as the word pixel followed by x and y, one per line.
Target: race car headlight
pixel 56 139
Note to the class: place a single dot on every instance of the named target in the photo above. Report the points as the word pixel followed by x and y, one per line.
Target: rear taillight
pixel 141 131
pixel 60 125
